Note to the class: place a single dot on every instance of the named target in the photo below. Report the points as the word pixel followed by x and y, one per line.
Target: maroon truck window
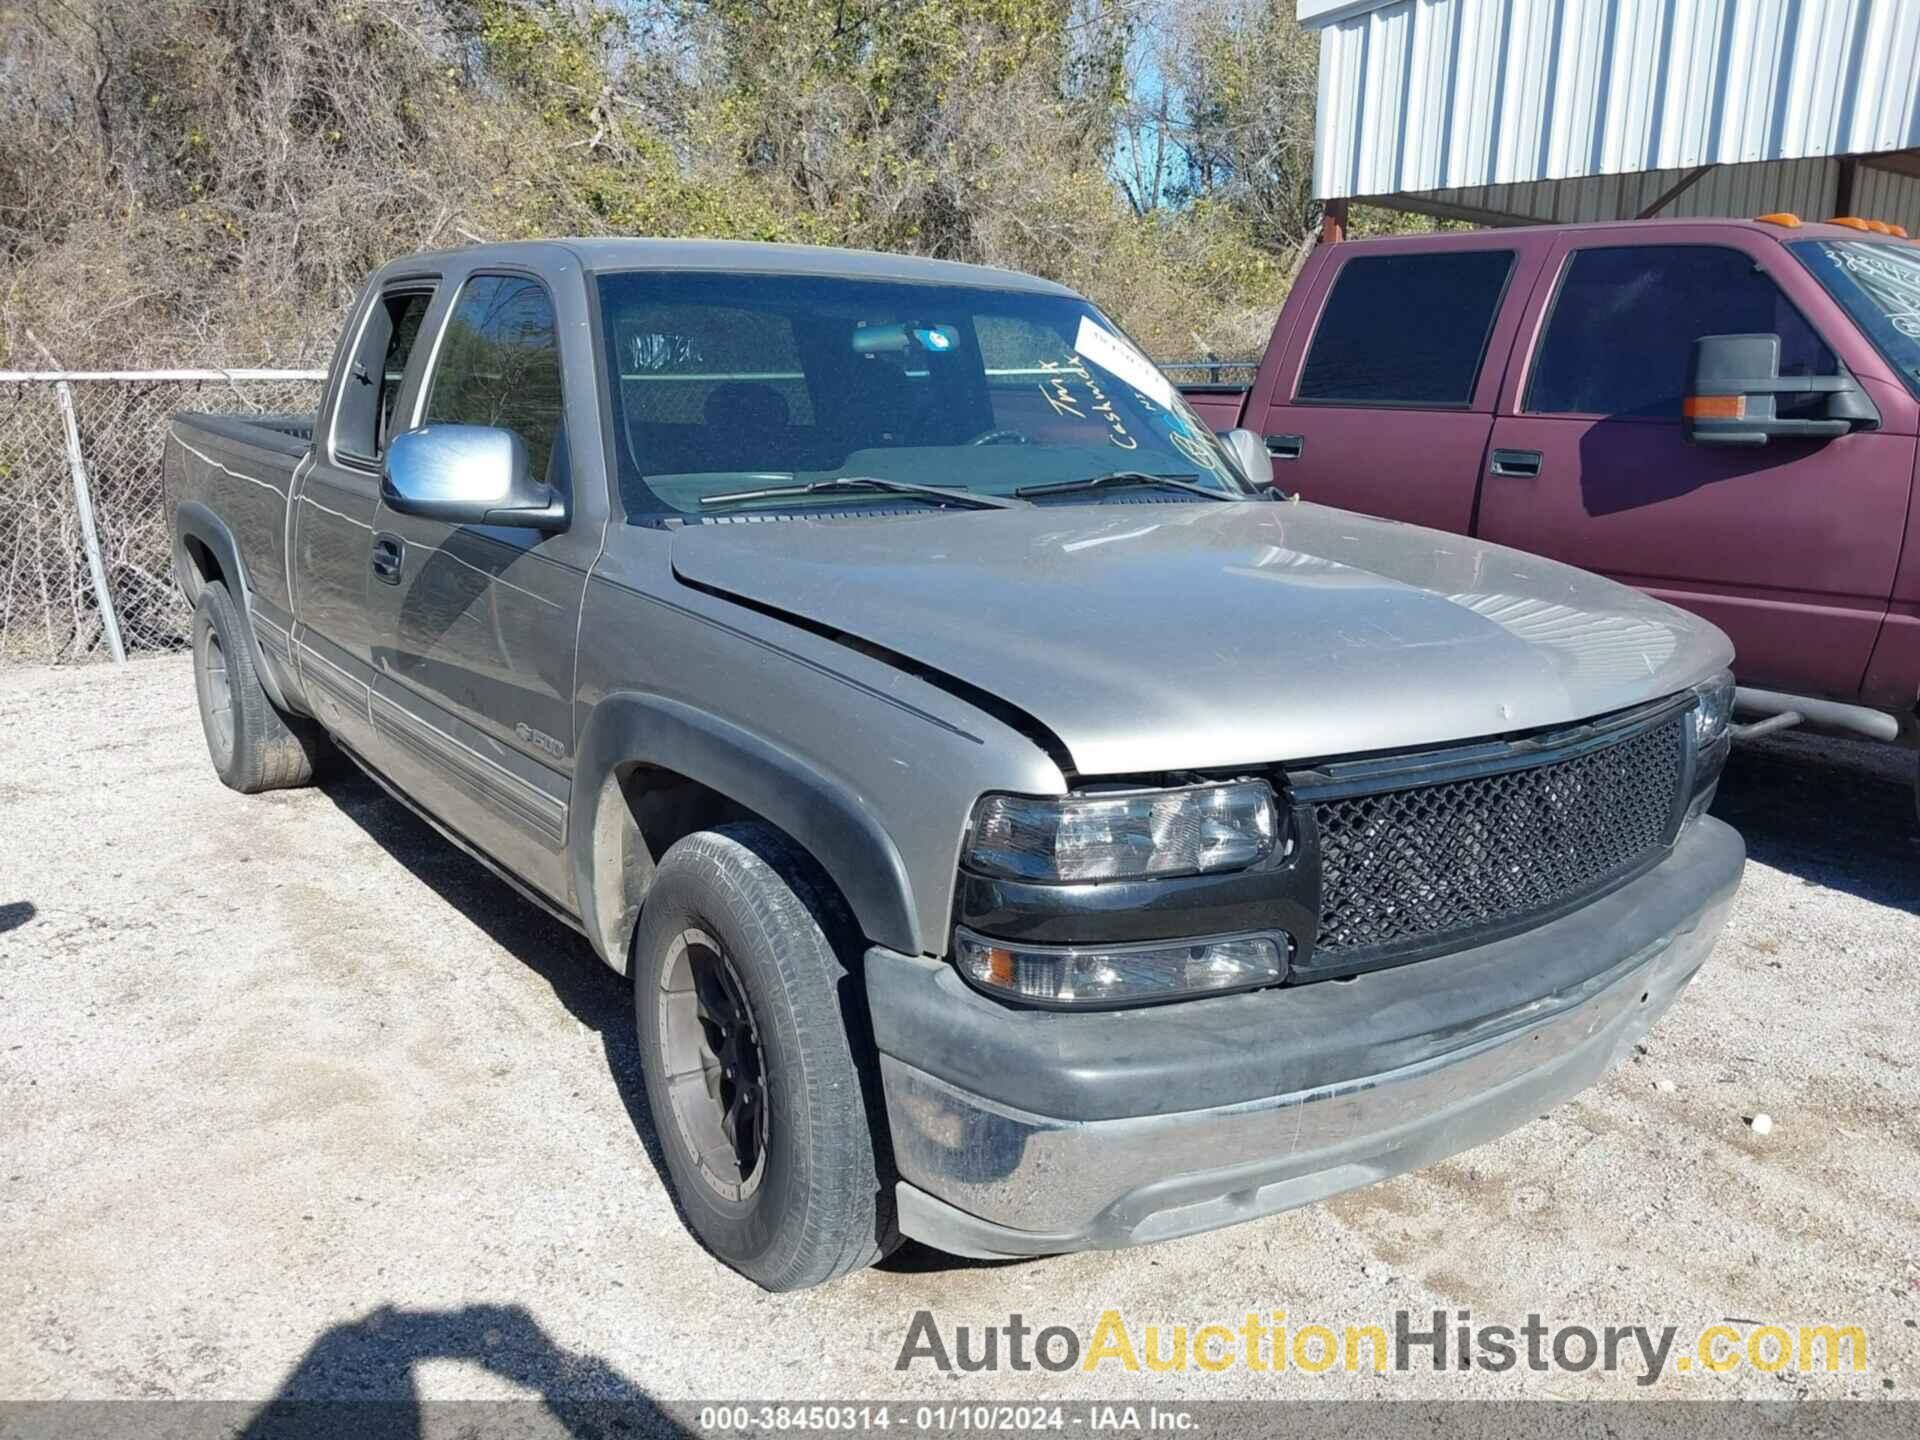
pixel 1406 330
pixel 1625 318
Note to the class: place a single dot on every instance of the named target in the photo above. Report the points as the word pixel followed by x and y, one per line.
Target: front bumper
pixel 1029 1132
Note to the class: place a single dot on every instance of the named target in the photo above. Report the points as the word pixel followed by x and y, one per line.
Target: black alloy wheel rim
pixel 715 1067
pixel 219 693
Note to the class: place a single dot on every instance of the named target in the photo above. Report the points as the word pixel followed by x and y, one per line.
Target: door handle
pixel 389 555
pixel 1522 464
pixel 1286 447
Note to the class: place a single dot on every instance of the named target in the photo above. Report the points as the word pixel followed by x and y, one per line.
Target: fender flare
pixel 629 728
pixel 192 520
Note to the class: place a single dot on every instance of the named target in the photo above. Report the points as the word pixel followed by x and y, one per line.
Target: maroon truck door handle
pixel 1523 464
pixel 1286 447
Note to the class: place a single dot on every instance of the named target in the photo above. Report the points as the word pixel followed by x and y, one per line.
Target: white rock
pixel 1762 1124
pixel 1665 1087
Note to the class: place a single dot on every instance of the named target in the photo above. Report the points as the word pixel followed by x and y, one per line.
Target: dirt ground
pixel 297 1101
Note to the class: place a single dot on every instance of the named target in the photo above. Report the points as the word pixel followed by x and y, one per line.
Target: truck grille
pixel 1411 868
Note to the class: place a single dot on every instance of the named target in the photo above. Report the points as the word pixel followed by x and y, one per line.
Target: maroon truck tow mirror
pixel 1733 389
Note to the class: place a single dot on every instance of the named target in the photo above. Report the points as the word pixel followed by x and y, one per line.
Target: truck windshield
pixel 738 385
pixel 1878 283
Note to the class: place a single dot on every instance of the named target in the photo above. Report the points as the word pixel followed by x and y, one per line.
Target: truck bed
pixel 1218 405
pixel 239 469
pixel 282 434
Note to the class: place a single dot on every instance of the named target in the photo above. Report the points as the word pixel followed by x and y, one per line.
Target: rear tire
pixel 759 1094
pixel 254 745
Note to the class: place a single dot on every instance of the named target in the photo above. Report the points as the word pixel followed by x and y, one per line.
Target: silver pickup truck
pixel 1024 828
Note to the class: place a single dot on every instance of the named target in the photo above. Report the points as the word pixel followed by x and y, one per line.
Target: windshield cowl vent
pixel 865 512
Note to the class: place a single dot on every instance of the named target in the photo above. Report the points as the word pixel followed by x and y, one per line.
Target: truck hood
pixel 1194 635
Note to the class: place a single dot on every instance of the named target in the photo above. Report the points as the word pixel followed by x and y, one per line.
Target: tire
pixel 254 746
pixel 799 1190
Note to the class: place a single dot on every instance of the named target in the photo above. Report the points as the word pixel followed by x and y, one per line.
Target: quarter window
pixel 365 419
pixel 500 365
pixel 1406 330
pixel 1623 325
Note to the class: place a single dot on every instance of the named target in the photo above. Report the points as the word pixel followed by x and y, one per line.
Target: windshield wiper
pixel 1126 477
pixel 946 494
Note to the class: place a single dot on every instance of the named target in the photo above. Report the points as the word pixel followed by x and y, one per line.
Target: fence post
pixel 83 505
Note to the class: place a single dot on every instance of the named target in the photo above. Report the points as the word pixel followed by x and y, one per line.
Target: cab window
pixel 499 365
pixel 1621 332
pixel 364 421
pixel 1406 330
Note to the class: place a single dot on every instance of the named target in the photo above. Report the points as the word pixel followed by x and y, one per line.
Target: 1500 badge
pixel 539 740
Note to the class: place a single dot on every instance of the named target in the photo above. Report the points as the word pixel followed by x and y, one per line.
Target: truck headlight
pixel 1712 738
pixel 1123 835
pixel 1713 710
pixel 1118 974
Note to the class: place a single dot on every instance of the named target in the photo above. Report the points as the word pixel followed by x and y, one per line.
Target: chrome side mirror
pixel 1250 453
pixel 468 475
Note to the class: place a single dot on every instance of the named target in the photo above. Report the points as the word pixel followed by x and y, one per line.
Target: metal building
pixel 1508 112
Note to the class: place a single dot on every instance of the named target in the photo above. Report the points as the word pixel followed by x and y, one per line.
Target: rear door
pixel 475 626
pixel 1383 403
pixel 1789 547
pixel 336 496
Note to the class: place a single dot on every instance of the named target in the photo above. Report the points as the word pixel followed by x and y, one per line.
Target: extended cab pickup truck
pixel 1721 412
pixel 1024 829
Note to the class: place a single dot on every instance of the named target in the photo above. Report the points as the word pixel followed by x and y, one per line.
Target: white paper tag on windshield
pixel 1115 356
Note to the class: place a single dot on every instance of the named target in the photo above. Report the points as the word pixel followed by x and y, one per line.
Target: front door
pixel 476 624
pixel 333 511
pixel 1789 547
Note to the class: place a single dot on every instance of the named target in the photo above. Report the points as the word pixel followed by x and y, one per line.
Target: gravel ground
pixel 296 1100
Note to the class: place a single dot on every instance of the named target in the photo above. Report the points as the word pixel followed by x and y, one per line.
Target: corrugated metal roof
pixel 1422 95
pixel 1809 188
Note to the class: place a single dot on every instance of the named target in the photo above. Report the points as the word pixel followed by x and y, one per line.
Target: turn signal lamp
pixel 1714 407
pixel 1110 975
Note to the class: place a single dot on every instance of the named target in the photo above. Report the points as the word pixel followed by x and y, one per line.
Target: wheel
pixel 253 744
pixel 765 1103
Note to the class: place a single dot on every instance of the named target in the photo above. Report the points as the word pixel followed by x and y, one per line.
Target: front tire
pixel 254 745
pixel 758 1092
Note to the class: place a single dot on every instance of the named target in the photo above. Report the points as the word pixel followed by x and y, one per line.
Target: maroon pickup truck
pixel 1721 412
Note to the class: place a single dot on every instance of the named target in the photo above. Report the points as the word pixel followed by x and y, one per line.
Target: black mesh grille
pixel 1406 869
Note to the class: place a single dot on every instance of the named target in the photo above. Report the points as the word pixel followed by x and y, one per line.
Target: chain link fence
pixel 1211 371
pixel 82 452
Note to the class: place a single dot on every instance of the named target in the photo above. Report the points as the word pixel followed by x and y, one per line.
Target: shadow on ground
pixel 361 1378
pixel 1835 813
pixel 592 994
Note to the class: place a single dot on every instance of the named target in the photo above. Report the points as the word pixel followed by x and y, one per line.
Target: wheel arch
pixel 204 550
pixel 652 769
